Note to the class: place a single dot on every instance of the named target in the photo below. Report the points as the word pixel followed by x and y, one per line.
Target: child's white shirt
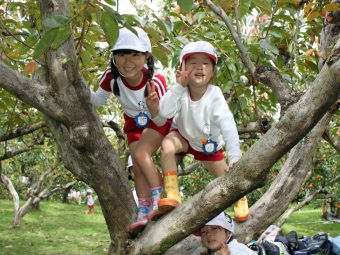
pixel 237 248
pixel 196 119
pixel 90 200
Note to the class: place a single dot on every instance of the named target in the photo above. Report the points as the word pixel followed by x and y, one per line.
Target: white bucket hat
pixel 202 47
pixel 223 220
pixel 130 41
pixel 89 191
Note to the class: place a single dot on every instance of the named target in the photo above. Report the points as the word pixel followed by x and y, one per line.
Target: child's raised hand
pixel 152 100
pixel 182 76
pixel 224 250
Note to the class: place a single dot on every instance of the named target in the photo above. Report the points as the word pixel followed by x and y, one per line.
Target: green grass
pixel 65 229
pixel 308 222
pixel 54 229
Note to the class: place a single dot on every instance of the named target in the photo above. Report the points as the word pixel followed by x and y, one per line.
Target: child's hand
pixel 224 250
pixel 182 76
pixel 152 100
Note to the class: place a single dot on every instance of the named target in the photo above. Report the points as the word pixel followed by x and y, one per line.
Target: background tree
pixel 58 42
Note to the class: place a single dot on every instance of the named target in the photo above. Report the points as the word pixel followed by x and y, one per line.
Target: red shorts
pixel 91 206
pixel 134 133
pixel 198 155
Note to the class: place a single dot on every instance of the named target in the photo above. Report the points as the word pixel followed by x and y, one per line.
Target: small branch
pixel 10 154
pixel 283 92
pixel 188 170
pixel 10 33
pixel 236 5
pixel 260 126
pixel 331 140
pixel 115 128
pixel 220 12
pixel 22 131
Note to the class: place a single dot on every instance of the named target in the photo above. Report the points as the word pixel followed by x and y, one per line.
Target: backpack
pixel 317 244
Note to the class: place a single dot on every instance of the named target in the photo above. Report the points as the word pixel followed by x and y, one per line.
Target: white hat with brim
pixel 222 220
pixel 201 47
pixel 128 40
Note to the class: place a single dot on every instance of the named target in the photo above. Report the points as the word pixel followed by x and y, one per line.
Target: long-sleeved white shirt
pixel 197 119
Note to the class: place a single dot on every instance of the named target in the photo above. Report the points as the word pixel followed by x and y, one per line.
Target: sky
pixel 125 7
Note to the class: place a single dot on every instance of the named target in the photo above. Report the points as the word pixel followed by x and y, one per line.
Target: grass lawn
pixel 308 222
pixel 65 229
pixel 56 229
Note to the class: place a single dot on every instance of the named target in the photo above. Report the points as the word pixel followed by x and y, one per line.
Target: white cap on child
pixel 128 40
pixel 202 47
pixel 223 220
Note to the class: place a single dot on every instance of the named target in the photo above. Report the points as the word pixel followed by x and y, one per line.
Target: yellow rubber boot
pixel 241 210
pixel 171 188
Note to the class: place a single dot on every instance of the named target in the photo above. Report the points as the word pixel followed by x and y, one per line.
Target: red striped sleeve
pixel 160 85
pixel 105 80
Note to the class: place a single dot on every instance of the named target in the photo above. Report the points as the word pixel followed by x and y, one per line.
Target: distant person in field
pixel 90 202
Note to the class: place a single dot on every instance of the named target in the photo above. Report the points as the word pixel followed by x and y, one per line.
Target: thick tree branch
pixel 22 131
pixel 29 91
pixel 283 92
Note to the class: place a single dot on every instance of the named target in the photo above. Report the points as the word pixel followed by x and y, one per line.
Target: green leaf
pixel 63 34
pixel 160 54
pixel 55 21
pixel 265 44
pixel 110 2
pixel 186 4
pixel 264 5
pixel 110 27
pixel 160 23
pixel 45 43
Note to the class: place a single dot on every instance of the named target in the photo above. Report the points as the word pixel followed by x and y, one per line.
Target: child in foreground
pixel 202 121
pixel 217 237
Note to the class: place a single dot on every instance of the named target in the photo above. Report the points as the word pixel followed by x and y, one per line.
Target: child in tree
pixel 132 67
pixel 89 202
pixel 202 121
pixel 217 237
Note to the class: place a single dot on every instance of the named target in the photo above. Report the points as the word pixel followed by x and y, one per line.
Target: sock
pixel 143 208
pixel 155 197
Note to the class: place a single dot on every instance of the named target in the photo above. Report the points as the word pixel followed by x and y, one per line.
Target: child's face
pixel 130 65
pixel 200 68
pixel 212 237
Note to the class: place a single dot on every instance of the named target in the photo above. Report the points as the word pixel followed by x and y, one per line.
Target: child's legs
pixel 173 143
pixel 145 148
pixel 141 185
pixel 216 168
